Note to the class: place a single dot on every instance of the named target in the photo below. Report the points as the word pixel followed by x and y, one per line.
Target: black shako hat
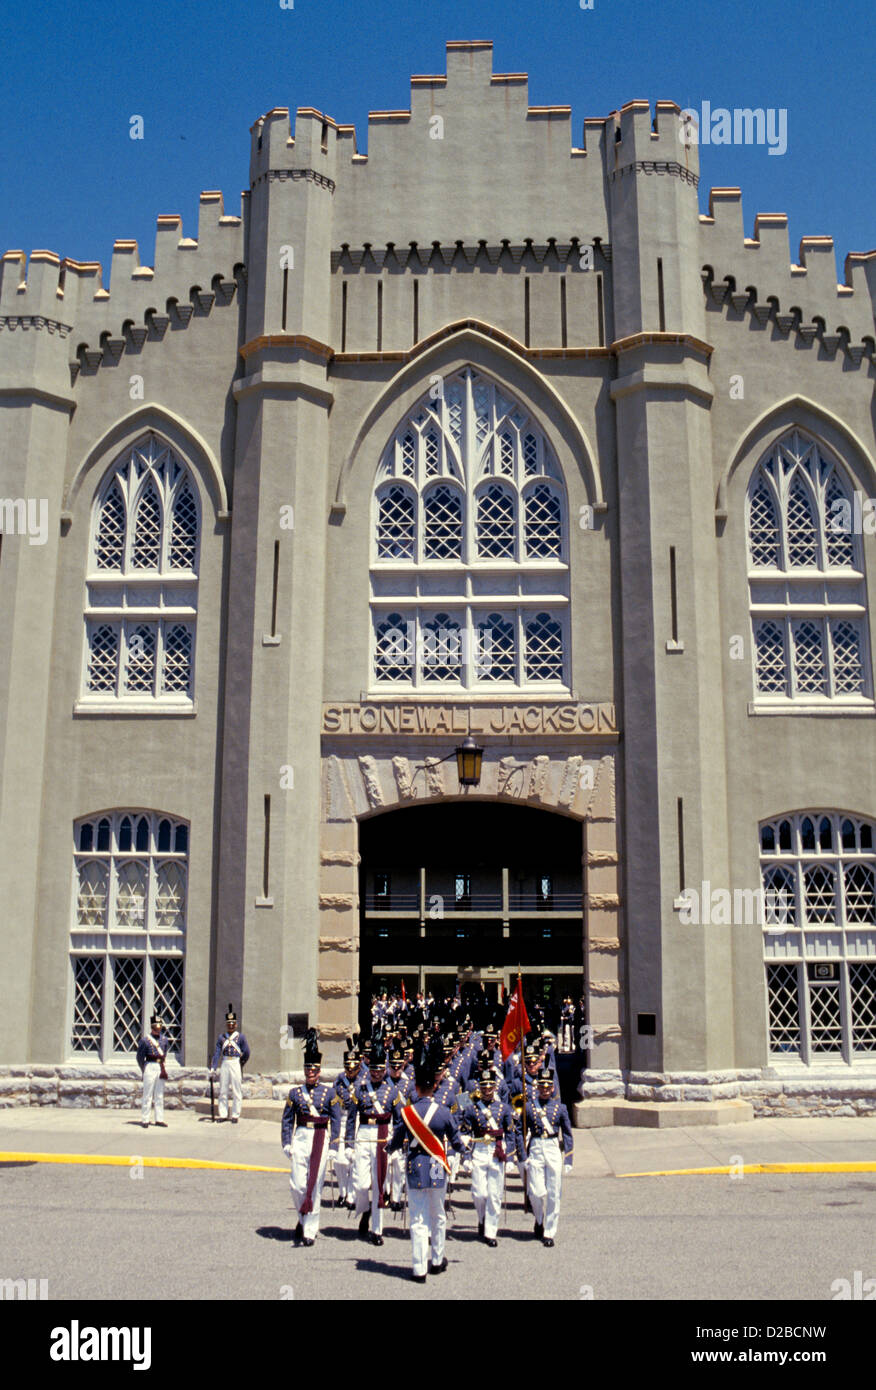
pixel 312 1054
pixel 230 1015
pixel 428 1059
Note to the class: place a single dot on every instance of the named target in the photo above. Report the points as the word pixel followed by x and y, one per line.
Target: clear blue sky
pixel 200 72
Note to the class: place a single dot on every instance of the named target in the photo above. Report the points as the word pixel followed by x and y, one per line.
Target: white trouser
pixel 229 1077
pixel 487 1186
pixel 344 1175
pixel 545 1169
pixel 302 1143
pixel 153 1091
pixel 365 1183
pixel 566 1037
pixel 395 1176
pixel 428 1226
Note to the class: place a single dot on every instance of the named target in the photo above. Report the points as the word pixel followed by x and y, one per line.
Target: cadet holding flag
pixel 427 1128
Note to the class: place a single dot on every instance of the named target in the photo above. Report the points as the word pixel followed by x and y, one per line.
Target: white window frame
pixel 841 943
pixel 127 597
pixel 469 587
pixel 148 942
pixel 823 593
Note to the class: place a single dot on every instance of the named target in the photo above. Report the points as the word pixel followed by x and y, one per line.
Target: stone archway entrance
pixel 459 894
pixel 384 757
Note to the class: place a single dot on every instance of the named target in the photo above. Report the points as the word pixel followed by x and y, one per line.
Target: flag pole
pixel 522 1072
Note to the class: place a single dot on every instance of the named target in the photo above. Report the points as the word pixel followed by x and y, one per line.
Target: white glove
pixel 287 1149
pixel 349 1155
pixel 567 1163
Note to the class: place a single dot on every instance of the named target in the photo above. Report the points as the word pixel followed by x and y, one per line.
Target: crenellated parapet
pixel 68 297
pixel 642 145
pixel 755 276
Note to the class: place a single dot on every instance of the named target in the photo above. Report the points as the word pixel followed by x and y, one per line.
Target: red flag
pixel 516 1024
pixel 404 996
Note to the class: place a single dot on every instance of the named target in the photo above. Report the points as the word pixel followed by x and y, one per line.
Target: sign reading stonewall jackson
pixel 508 719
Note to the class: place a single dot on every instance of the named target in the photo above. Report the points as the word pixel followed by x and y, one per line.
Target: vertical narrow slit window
pixel 416 311
pixel 285 294
pixel 380 316
pixel 526 310
pixel 274 588
pixel 564 334
pixel 600 311
pixel 323 144
pixel 680 816
pixel 673 594
pixel 661 308
pixel 344 317
pixel 266 867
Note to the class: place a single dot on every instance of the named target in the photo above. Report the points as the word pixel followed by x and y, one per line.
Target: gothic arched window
pixel 469 574
pixel 806 579
pixel 142 582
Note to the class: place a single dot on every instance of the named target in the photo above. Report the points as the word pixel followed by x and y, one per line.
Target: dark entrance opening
pixel 455 897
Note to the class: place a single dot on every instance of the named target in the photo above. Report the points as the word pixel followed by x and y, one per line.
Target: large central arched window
pixel 142 582
pixel 806 579
pixel 469 573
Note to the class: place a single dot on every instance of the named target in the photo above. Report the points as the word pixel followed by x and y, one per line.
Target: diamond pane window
pixel 860 893
pixel 544 649
pixel 496 649
pixel 780 899
pixel 170 896
pixel 848 669
pixel 178 659
pixel 800 522
pixel 763 526
pixel 103 658
pixel 442 510
pixel 184 530
pixel 110 540
pixel 496 523
pixel 128 1003
pixel 544 523
pixel 396 527
pixel 809 670
pixel 442 649
pixel 825 1024
pixel 772 669
pixel 87 1003
pixel 146 528
pixel 394 649
pixel 819 895
pixel 168 1000
pixel 862 992
pixel 784 1008
pixel 140 667
pixel 467 481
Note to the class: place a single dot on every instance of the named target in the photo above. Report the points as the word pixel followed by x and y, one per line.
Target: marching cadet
pixel 232 1052
pixel 549 1137
pixel 427 1128
pixel 342 1099
pixel 369 1120
pixel 404 1085
pixel 567 1025
pixel 490 1123
pixel 308 1114
pixel 151 1053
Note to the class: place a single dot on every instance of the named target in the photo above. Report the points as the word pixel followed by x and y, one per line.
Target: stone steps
pixel 600 1113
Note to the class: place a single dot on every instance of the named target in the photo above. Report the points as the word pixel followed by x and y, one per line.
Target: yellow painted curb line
pixel 127 1160
pixel 864 1166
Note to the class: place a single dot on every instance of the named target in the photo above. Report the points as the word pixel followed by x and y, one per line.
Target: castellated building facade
pixel 489 434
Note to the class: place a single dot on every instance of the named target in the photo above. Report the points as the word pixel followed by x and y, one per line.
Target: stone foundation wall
pixel 770 1093
pixel 115 1088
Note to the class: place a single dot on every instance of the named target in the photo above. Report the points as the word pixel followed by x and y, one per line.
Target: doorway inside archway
pixel 456 897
